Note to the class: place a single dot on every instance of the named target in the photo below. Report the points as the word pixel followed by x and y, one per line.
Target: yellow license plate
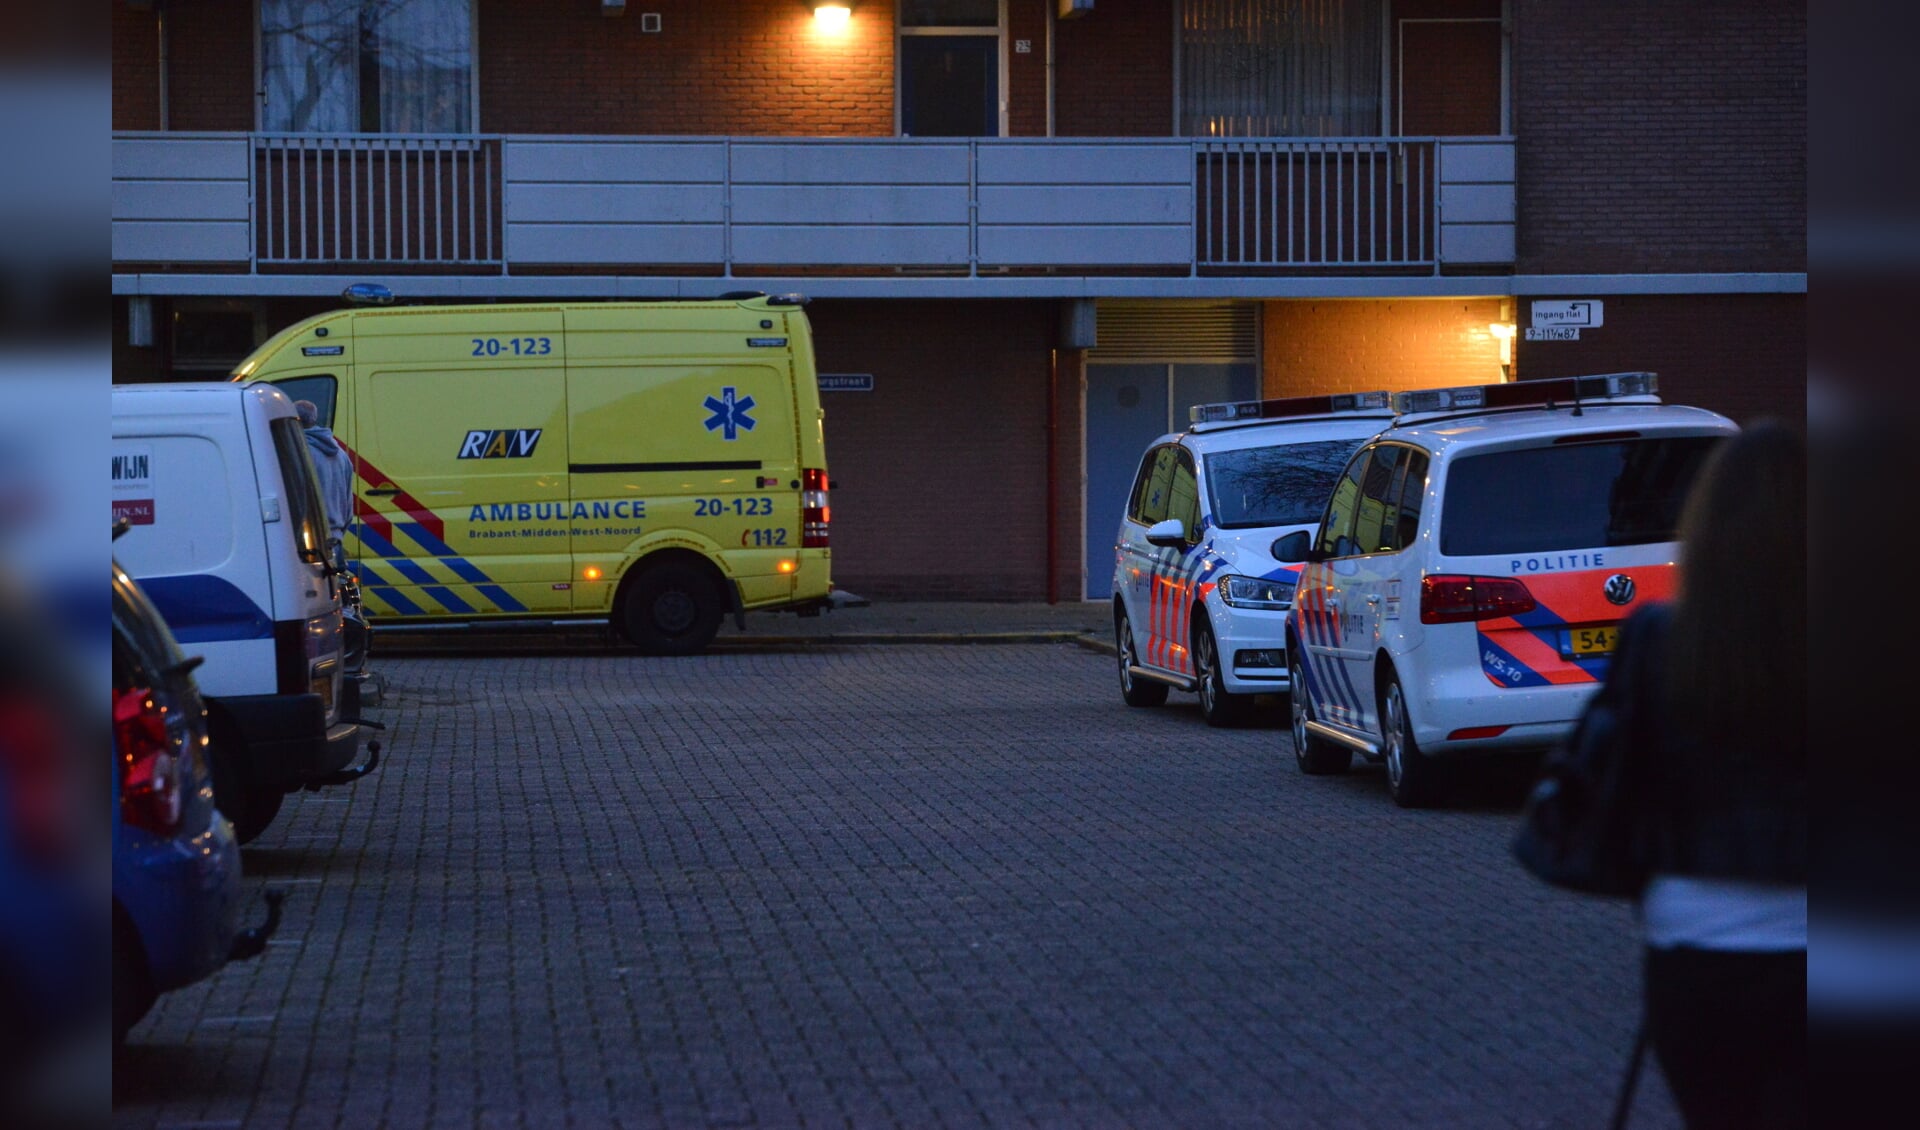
pixel 1587 642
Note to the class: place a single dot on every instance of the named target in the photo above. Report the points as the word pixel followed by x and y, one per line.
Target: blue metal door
pixel 1210 384
pixel 1126 412
pixel 1128 407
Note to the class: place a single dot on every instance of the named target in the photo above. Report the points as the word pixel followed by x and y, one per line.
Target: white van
pixel 225 531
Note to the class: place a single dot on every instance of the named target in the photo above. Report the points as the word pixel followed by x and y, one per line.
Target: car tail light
pixel 149 773
pixel 32 750
pixel 814 511
pixel 324 679
pixel 1451 598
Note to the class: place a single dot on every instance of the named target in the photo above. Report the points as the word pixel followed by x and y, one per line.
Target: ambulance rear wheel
pixel 672 609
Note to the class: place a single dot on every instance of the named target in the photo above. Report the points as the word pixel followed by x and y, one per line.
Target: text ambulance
pixel 659 463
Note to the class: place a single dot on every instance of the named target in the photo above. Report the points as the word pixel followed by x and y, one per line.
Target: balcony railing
pixel 382 200
pixel 528 205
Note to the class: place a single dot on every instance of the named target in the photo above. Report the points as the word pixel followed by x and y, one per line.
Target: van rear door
pixel 196 539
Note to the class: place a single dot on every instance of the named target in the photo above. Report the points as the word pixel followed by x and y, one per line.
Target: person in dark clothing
pixel 1722 815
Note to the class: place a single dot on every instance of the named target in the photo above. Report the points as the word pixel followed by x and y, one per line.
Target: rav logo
pixel 503 443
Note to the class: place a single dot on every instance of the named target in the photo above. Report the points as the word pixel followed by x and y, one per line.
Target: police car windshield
pixel 1285 485
pixel 1579 496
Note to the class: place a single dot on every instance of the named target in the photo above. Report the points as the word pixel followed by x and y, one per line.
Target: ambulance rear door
pixel 461 422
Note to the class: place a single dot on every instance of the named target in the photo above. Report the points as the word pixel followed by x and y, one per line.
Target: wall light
pixel 1504 332
pixel 832 17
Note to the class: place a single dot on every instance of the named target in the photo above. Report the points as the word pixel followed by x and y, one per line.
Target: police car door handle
pixel 382 491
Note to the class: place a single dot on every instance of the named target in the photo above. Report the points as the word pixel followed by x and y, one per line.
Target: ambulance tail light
pixel 1453 598
pixel 814 511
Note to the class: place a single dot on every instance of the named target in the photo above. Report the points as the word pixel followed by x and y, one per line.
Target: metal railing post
pixel 253 206
pixel 973 207
pixel 726 208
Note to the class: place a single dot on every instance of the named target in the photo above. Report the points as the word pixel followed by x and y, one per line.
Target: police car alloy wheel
pixel 1316 756
pixel 1410 775
pixel 1134 691
pixel 1217 705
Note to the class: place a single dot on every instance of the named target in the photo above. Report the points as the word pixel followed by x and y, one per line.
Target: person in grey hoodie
pixel 334 465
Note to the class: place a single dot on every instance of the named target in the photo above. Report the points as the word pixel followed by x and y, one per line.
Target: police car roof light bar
pixel 1244 410
pixel 1526 394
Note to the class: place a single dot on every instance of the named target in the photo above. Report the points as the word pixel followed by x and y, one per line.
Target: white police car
pixel 1464 592
pixel 1199 602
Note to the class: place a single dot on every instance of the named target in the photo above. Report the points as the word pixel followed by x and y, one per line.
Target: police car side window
pixel 1159 494
pixel 1184 502
pixel 1336 529
pixel 1137 501
pixel 1413 491
pixel 1378 516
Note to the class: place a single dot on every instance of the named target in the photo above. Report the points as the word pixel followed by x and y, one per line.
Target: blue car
pixel 176 863
pixel 53 920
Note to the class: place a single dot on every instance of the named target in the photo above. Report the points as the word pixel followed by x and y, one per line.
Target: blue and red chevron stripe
pixel 1526 650
pixel 379 543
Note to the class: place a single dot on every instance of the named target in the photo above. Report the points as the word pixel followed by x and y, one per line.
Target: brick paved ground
pixel 882 886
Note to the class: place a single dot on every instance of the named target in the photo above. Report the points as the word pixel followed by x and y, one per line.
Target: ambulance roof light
pixel 1569 391
pixel 1236 411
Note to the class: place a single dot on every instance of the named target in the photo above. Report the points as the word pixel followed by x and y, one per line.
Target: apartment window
pixel 1280 68
pixel 367 66
pixel 209 336
pixel 950 75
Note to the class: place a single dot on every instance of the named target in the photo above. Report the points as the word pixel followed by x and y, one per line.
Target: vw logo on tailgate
pixel 1619 589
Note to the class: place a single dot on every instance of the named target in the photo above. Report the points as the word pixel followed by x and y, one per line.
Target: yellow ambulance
pixel 656 464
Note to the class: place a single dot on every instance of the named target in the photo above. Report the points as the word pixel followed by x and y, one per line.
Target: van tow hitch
pixel 354 772
pixel 250 942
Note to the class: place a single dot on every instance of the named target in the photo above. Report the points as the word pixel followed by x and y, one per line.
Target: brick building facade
pixel 1654 160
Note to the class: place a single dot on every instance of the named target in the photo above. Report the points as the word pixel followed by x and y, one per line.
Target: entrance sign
pixel 1587 313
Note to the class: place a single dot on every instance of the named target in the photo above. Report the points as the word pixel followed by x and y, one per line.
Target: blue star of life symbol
pixel 730 412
